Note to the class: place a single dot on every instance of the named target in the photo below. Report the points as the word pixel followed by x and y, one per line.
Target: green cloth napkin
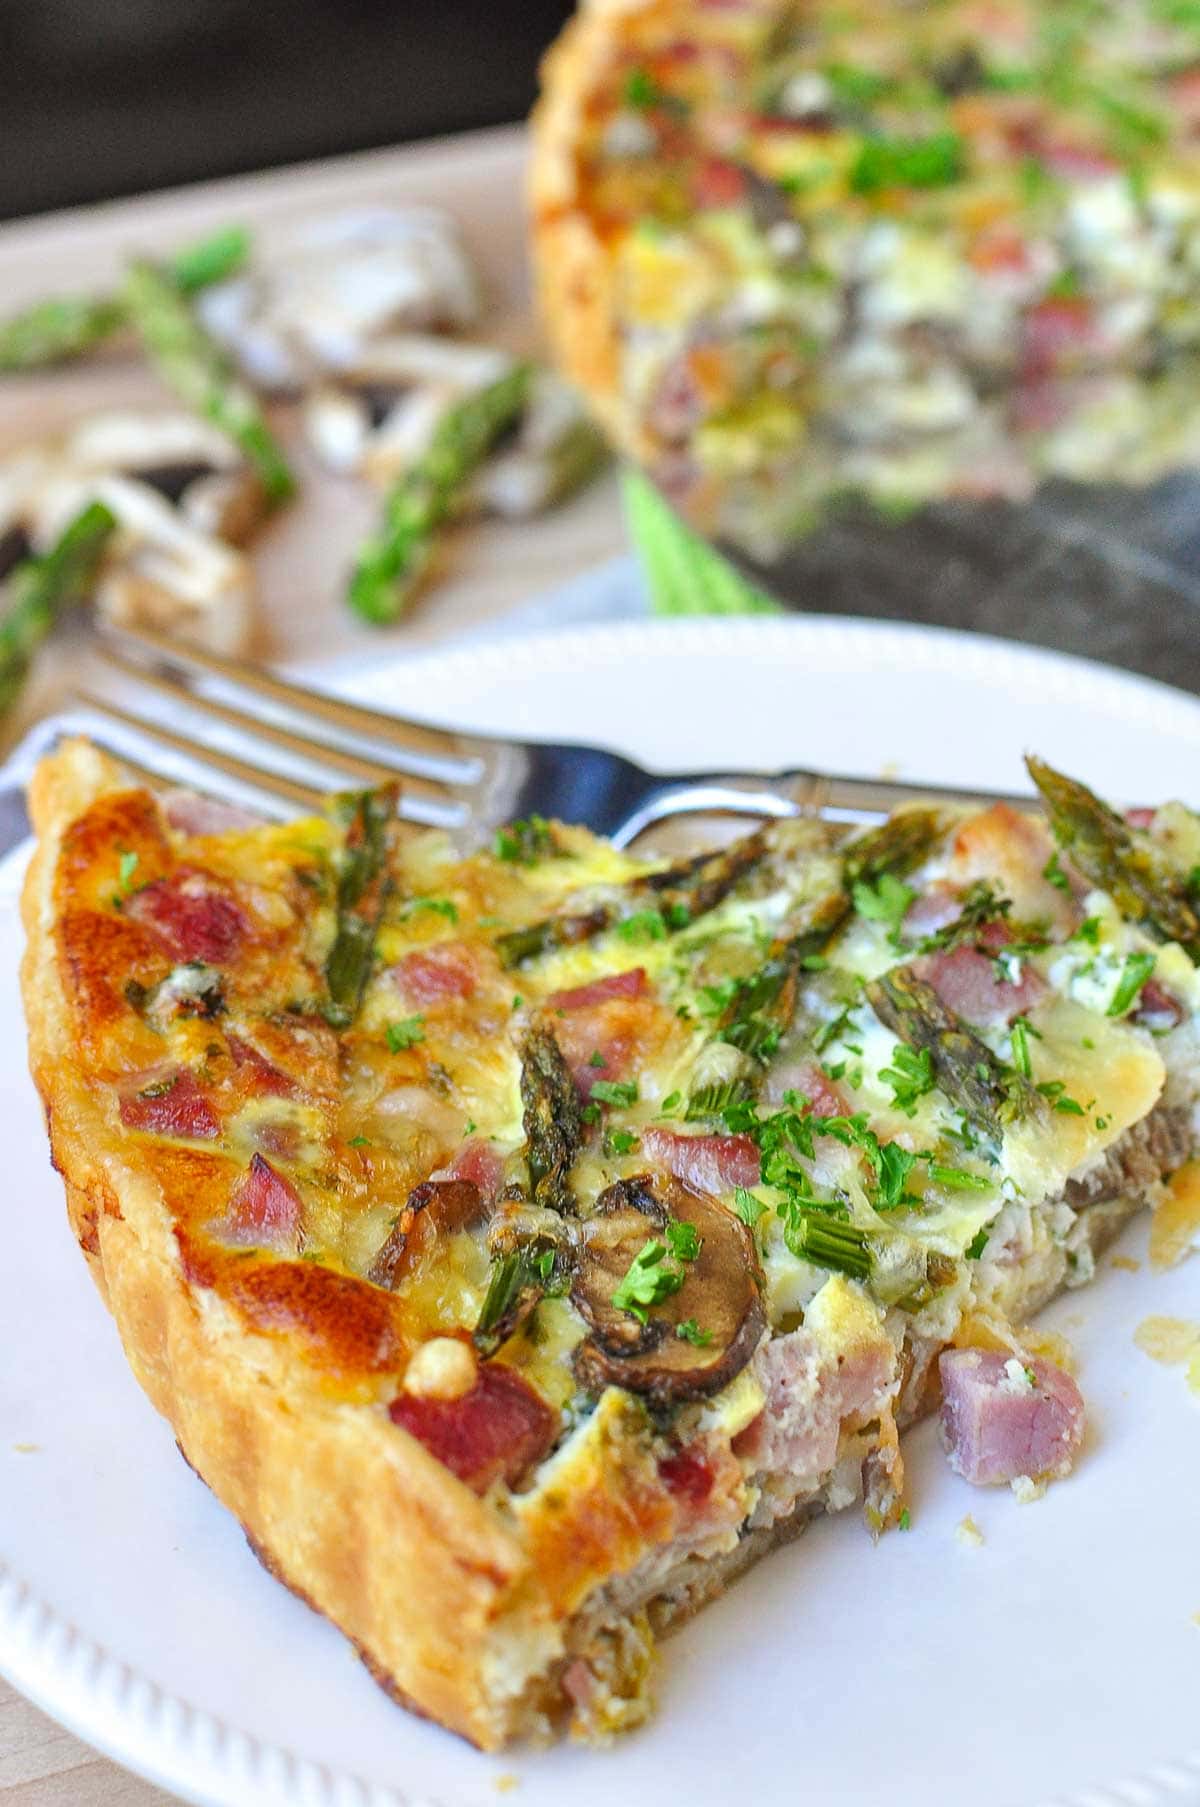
pixel 684 574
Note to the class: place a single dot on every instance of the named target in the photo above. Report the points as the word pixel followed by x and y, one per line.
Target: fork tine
pixel 307 797
pixel 413 749
pixel 315 750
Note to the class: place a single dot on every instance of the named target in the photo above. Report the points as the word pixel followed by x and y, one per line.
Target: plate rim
pixel 200 1756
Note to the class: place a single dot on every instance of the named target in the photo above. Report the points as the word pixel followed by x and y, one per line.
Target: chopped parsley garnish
pixel 125 871
pixel 1018 1037
pixel 619 1092
pixel 977 1245
pixel 1053 873
pixel 405 1034
pixel 747 1207
pixel 655 1272
pixel 691 1332
pixel 671 1103
pixel 932 162
pixel 437 906
pixel 643 925
pixel 886 902
pixel 905 1519
pixel 1089 931
pixel 596 1059
pixel 359 1142
pixel 910 1077
pixel 1055 1090
pixel 979 906
pixel 619 1141
pixel 1134 973
pixel 525 842
pixel 642 91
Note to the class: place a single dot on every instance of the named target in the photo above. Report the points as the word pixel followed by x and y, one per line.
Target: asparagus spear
pixel 967 1071
pixel 198 370
pixel 895 847
pixel 390 565
pixel 66 326
pixel 680 894
pixel 39 588
pixel 553 1120
pixel 363 886
pixel 1120 860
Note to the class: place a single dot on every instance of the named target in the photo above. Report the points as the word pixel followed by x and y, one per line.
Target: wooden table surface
pixel 301 560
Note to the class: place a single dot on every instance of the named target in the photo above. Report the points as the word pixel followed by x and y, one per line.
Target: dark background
pixel 109 97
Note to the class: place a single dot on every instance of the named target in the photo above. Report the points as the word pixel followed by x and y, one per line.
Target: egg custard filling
pixel 554 1230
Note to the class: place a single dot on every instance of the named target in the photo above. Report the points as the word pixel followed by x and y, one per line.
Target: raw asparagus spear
pixel 391 564
pixel 200 373
pixel 40 587
pixel 1119 859
pixel 67 326
pixel 363 886
pixel 967 1071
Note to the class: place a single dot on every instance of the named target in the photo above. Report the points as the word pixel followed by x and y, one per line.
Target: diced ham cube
pixel 1004 1418
pixel 264 1210
pixel 431 975
pixel 497 1431
pixel 261 1074
pixel 191 812
pixel 193 914
pixel 713 1164
pixel 480 1162
pixel 172 1105
pixel 631 984
pixel 1158 1008
pixel 806 1079
pixel 967 982
pixel 808 1398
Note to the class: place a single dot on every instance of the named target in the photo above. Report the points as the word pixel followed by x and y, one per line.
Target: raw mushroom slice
pixel 162 572
pixel 720 1300
pixel 380 415
pixel 192 465
pixel 316 300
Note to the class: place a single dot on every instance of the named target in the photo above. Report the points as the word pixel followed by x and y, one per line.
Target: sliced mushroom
pixel 187 461
pixel 719 1301
pixel 435 1209
pixel 317 298
pixel 380 414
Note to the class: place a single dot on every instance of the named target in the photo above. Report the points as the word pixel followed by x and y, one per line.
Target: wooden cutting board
pixel 302 558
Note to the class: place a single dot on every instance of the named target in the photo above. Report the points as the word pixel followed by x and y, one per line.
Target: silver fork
pixel 281 748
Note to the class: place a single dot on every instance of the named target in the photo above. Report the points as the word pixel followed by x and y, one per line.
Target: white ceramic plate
pixel 1058 1663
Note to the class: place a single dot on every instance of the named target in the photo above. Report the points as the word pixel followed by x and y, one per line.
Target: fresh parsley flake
pixel 958 1179
pixel 359 1142
pixel 684 1239
pixel 910 1077
pixel 437 906
pixel 1019 1047
pixel 932 162
pixel 747 1207
pixel 671 1103
pixel 524 843
pixel 691 1332
pixel 1054 875
pixel 886 902
pixel 405 1034
pixel 643 925
pixel 619 1141
pixel 654 1274
pixel 619 1092
pixel 1134 973
pixel 596 1059
pixel 905 1519
pixel 977 1245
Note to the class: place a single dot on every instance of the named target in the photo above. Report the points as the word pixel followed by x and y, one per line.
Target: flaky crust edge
pixel 575 280
pixel 346 1509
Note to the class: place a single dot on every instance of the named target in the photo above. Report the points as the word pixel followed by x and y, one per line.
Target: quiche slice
pixel 861 251
pixel 521 1244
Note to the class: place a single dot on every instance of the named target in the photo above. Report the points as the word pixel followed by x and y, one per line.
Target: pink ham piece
pixel 934 909
pixel 264 1076
pixel 631 984
pixel 712 1164
pixel 172 1105
pixel 808 1398
pixel 495 1432
pixel 481 1163
pixel 1140 817
pixel 1004 1419
pixel 192 914
pixel 265 1210
pixel 966 982
pixel 431 975
pixel 193 813
pixel 1158 1008
pixel 807 1080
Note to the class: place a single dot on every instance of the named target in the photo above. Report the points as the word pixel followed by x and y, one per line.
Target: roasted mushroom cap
pixel 720 1296
pixel 435 1209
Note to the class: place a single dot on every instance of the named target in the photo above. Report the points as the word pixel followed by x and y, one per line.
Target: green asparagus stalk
pixel 553 1120
pixel 989 1095
pixel 363 886
pixel 679 895
pixel 895 847
pixel 200 373
pixel 391 564
pixel 1119 859
pixel 39 588
pixel 67 326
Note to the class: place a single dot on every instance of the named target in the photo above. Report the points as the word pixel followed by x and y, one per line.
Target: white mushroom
pixel 319 297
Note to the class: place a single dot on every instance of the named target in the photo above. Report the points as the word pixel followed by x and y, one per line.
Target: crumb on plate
pixel 968 1533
